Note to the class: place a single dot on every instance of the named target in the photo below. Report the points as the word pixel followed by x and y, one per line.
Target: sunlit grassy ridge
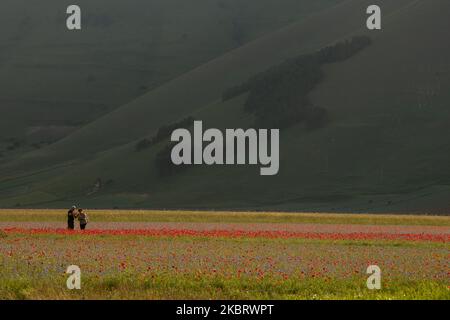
pixel 225 216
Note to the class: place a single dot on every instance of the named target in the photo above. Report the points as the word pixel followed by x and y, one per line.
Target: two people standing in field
pixel 79 214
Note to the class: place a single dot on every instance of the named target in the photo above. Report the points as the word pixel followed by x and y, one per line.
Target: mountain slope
pixel 54 81
pixel 206 83
pixel 386 147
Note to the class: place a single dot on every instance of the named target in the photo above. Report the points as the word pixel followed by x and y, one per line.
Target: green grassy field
pixel 129 286
pixel 129 265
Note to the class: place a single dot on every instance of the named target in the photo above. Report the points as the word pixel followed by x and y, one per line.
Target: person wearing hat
pixel 71 218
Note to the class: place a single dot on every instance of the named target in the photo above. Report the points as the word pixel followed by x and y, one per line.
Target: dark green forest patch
pixel 278 97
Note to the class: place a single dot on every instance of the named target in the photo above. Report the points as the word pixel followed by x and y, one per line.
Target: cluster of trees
pixel 40 144
pixel 164 164
pixel 163 133
pixel 163 161
pixel 343 50
pixel 15 144
pixel 278 97
pixel 12 144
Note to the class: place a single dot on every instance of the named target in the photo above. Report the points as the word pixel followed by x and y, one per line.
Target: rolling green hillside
pixel 53 81
pixel 206 83
pixel 385 148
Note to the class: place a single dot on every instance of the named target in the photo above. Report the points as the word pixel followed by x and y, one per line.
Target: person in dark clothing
pixel 71 218
pixel 83 218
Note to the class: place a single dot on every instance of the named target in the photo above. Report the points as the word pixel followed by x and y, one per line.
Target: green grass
pixel 160 286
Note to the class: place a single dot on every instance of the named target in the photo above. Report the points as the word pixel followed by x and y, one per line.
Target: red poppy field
pixel 220 255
